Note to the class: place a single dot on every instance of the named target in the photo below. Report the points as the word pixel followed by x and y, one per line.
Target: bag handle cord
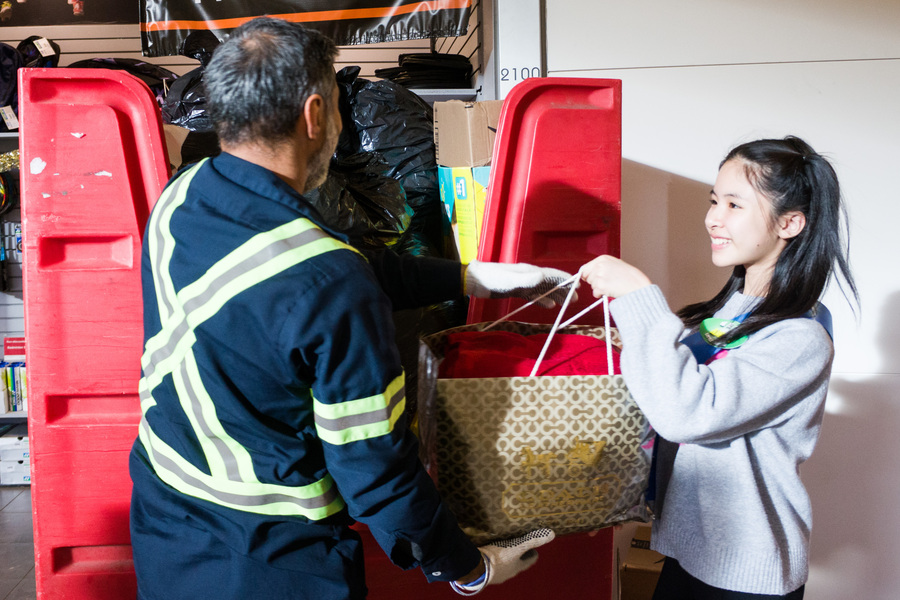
pixel 573 280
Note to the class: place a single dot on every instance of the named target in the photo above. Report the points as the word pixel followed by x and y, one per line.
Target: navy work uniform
pixel 273 403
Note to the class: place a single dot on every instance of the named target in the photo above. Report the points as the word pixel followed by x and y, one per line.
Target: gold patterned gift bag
pixel 510 454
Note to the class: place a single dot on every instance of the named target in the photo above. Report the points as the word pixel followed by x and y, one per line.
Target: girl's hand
pixel 608 275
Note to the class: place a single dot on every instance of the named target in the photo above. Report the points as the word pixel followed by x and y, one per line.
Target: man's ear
pixel 790 224
pixel 314 115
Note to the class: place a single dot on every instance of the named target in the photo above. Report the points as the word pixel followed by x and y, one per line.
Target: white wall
pixel 703 75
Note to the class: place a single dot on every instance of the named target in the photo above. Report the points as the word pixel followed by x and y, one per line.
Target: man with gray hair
pixel 272 392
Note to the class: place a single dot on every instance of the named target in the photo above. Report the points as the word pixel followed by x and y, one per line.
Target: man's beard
pixel 317 169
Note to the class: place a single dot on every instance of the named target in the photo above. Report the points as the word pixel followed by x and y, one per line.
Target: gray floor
pixel 16 544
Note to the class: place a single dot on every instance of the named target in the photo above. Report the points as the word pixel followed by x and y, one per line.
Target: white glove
pixel 508 558
pixel 517 280
pixel 505 559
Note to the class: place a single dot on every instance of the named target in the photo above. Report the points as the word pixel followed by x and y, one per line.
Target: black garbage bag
pixel 32 54
pixel 359 200
pixel 199 145
pixel 158 79
pixel 10 62
pixel 200 45
pixel 388 119
pixel 185 104
pixel 384 164
pixel 428 234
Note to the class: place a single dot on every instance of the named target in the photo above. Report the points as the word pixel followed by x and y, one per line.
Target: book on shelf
pixel 13 382
pixel 13 388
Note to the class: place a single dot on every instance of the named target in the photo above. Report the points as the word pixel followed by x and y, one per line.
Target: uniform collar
pixel 265 183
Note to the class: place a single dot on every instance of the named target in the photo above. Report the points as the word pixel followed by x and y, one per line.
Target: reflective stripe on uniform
pixel 232 480
pixel 361 419
pixel 261 257
pixel 161 247
pixel 315 501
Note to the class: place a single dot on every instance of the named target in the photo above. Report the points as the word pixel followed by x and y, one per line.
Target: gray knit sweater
pixel 734 512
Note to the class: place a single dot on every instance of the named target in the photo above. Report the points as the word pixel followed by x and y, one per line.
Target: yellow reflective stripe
pixel 250 278
pixel 161 244
pixel 223 281
pixel 226 458
pixel 315 501
pixel 147 400
pixel 363 418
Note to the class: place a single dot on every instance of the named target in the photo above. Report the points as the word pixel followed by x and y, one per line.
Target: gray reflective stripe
pixel 363 418
pixel 223 450
pixel 145 396
pixel 171 198
pixel 177 331
pixel 367 418
pixel 312 507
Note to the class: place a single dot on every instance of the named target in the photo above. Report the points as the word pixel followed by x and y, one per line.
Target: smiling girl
pixel 735 386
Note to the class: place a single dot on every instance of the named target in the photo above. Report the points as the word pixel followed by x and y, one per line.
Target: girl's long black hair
pixel 794 177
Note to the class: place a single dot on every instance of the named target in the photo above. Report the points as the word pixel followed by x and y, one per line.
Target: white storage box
pixel 15 472
pixel 17 437
pixel 15 454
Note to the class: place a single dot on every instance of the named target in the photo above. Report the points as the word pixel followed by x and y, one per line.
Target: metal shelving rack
pixel 12 322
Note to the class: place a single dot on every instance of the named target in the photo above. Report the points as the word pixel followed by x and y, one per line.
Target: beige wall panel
pixel 586 34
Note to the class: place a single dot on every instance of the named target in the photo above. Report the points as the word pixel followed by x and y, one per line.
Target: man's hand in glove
pixel 505 559
pixel 516 280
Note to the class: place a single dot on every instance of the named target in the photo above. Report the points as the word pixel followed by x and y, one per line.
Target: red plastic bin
pixel 554 200
pixel 93 162
pixel 554 197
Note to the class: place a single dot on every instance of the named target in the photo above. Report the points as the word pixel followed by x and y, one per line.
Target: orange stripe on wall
pixel 324 15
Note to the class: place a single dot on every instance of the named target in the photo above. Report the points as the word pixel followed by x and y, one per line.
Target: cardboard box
pixel 463 196
pixel 641 568
pixel 464 132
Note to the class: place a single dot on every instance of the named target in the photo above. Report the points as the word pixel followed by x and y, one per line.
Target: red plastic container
pixel 554 201
pixel 554 197
pixel 93 162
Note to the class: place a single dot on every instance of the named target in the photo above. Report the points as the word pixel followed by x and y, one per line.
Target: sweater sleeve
pixel 757 385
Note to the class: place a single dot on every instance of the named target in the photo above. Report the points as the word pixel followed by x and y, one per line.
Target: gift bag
pixel 511 454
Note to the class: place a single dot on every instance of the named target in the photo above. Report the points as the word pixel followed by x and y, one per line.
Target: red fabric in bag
pixel 477 354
